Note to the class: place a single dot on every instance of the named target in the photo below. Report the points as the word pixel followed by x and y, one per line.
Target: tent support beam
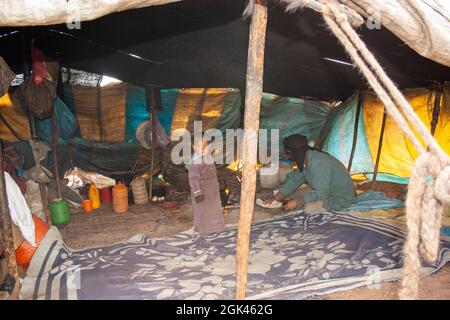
pixel 253 94
pixel 6 232
pixel 436 107
pixel 99 108
pixel 55 157
pixel 25 44
pixel 25 51
pixel 324 130
pixel 151 93
pixel 355 132
pixel 380 145
pixel 242 94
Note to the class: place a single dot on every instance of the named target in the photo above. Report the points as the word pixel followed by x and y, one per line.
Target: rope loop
pixel 429 185
pixel 442 186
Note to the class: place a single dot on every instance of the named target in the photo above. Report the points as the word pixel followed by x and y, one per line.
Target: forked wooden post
pixel 6 233
pixel 255 68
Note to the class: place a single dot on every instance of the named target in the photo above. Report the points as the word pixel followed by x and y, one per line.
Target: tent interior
pixel 178 63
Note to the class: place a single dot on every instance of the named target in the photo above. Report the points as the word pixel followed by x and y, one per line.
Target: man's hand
pixel 290 205
pixel 277 197
pixel 199 198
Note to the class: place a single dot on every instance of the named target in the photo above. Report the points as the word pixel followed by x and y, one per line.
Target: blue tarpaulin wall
pixel 292 115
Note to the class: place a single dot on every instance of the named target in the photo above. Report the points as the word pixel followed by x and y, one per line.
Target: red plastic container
pixel 106 195
pixel 87 205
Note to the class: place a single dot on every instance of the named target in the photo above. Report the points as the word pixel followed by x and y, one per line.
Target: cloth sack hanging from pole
pixel 144 134
pixel 38 92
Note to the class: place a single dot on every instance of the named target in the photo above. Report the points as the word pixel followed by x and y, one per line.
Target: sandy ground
pixel 433 287
pixel 105 227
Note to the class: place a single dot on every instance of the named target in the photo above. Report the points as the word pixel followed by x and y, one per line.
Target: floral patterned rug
pixel 292 256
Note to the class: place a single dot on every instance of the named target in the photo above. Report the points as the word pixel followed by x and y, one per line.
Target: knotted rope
pixel 429 186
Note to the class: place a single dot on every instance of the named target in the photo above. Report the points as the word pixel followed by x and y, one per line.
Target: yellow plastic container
pixel 94 195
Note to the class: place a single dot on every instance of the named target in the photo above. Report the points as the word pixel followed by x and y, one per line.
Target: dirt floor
pixel 434 287
pixel 103 226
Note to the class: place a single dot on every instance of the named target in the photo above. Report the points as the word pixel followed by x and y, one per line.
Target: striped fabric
pixel 292 257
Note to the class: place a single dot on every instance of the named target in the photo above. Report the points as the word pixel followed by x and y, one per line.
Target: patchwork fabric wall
pixel 101 112
pixel 215 107
pixel 397 154
pixel 14 125
pixel 111 114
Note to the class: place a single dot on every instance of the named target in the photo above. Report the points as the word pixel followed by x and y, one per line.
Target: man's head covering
pixel 297 145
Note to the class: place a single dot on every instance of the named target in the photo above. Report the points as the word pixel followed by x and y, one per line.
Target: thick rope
pixel 424 206
pixel 429 188
pixel 376 85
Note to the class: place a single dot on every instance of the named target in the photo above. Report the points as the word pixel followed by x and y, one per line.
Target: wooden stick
pixel 325 129
pixel 152 163
pixel 253 94
pixel 355 129
pixel 151 94
pixel 55 156
pixel 25 51
pixel 44 196
pixel 436 108
pixel 380 145
pixel 6 232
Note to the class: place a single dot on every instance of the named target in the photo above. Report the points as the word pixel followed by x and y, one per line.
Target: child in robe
pixel 206 205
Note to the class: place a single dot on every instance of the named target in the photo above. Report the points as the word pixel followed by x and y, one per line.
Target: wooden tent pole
pixel 380 145
pixel 325 129
pixel 253 94
pixel 436 108
pixel 151 106
pixel 55 156
pixel 25 51
pixel 355 130
pixel 152 162
pixel 6 233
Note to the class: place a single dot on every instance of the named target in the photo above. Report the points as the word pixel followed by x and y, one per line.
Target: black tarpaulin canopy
pixel 203 43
